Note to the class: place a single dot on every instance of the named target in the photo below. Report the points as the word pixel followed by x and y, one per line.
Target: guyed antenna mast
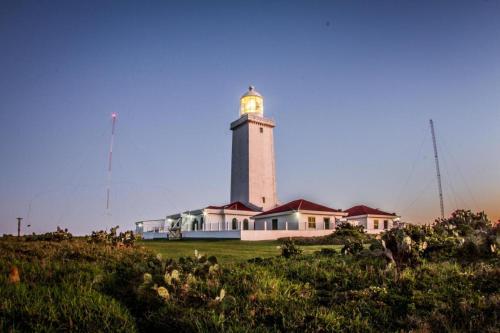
pixel 110 160
pixel 437 168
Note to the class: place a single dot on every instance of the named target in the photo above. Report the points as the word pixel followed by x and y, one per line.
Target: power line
pixel 412 171
pixel 457 165
pixel 419 195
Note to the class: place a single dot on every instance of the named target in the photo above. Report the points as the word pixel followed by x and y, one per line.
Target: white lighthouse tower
pixel 253 175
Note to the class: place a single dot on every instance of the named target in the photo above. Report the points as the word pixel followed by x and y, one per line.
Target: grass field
pixel 227 251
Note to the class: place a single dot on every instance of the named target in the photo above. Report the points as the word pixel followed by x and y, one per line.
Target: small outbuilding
pixel 298 215
pixel 373 220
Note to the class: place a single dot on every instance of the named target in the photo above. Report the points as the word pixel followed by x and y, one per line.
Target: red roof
pixel 234 206
pixel 299 205
pixel 365 210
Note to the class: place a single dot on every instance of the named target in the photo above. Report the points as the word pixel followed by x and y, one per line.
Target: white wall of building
pixel 150 226
pixel 225 234
pixel 216 219
pixel 369 221
pixel 155 235
pixel 259 235
pixel 254 235
pixel 296 221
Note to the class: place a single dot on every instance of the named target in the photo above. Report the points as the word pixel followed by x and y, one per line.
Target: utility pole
pixel 440 188
pixel 19 219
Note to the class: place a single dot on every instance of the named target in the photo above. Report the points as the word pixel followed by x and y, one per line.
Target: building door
pixel 195 225
pixel 327 223
pixel 275 224
pixel 234 224
pixel 245 224
pixel 202 221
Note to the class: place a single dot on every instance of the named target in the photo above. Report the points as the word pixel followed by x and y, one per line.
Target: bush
pixel 56 236
pixel 289 249
pixel 327 251
pixel 126 238
pixel 464 236
pixel 342 233
pixel 352 247
pixel 463 222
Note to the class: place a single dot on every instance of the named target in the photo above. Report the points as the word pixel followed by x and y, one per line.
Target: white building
pixel 152 228
pixel 233 216
pixel 373 220
pixel 254 212
pixel 299 215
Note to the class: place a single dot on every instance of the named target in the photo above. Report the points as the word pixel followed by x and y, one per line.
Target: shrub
pixel 342 233
pixel 126 238
pixel 352 247
pixel 463 222
pixel 56 236
pixel 289 249
pixel 327 251
pixel 376 244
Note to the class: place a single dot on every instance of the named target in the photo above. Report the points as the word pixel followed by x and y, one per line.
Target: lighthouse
pixel 253 174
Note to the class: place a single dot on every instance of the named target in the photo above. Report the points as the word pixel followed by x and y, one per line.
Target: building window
pixel 194 226
pixel 375 224
pixel 327 222
pixel 245 224
pixel 234 224
pixel 263 199
pixel 275 224
pixel 311 222
pixel 262 129
pixel 386 224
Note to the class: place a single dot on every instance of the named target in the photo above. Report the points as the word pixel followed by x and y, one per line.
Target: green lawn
pixel 227 251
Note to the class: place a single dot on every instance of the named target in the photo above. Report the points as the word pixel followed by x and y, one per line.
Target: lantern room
pixel 251 102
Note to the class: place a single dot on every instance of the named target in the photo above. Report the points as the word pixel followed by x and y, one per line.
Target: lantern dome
pixel 252 102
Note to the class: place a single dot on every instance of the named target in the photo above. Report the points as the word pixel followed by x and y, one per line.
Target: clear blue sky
pixel 350 84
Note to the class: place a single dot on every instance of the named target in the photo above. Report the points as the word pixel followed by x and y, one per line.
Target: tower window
pixel 263 199
pixel 262 129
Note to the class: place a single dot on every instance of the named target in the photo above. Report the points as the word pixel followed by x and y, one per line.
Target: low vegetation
pixel 345 232
pixel 444 278
pixel 112 237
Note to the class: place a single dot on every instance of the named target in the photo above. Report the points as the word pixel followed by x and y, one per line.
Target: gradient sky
pixel 350 84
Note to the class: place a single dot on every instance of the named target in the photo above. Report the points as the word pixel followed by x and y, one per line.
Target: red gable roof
pixel 299 205
pixel 365 210
pixel 234 206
